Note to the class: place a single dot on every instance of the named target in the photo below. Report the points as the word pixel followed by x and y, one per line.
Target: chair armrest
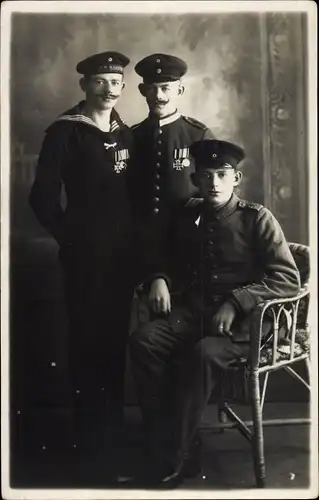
pixel 279 311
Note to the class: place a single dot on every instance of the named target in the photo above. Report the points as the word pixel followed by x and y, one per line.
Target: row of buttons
pixel 208 250
pixel 157 176
pixel 209 244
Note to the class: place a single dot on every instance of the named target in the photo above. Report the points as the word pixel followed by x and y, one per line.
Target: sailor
pixel 87 151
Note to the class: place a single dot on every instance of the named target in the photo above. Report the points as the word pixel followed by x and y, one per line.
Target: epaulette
pixel 194 122
pixel 250 204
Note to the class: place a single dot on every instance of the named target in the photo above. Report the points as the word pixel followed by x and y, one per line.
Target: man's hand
pixel 159 297
pixel 223 319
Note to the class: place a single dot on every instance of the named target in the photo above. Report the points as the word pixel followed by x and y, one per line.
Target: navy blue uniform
pixel 94 235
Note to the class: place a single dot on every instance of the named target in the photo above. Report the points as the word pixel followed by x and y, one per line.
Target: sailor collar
pixel 75 115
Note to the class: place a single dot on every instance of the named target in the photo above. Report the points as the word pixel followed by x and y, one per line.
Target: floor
pixel 227 461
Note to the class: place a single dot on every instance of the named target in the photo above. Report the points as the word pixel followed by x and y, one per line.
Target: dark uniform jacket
pixel 162 163
pixel 92 165
pixel 160 180
pixel 238 253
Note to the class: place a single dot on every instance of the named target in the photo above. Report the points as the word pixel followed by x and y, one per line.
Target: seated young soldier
pixel 233 255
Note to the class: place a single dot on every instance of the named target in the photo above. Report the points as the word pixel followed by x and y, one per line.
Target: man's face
pixel 217 185
pixel 161 97
pixel 103 90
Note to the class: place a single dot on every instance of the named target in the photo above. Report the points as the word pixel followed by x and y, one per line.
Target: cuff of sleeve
pixel 236 305
pixel 243 300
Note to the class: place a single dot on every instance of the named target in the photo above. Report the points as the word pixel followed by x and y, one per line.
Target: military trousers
pixel 176 370
pixel 99 291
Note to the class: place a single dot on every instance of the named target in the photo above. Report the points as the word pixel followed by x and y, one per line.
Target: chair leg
pixel 257 438
pixel 308 367
pixel 222 417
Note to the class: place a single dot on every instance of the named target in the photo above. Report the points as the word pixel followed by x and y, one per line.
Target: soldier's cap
pixel 216 154
pixel 104 62
pixel 158 68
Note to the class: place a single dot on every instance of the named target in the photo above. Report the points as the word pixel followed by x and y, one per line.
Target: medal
pixel 119 166
pixel 186 162
pixel 120 163
pixel 181 159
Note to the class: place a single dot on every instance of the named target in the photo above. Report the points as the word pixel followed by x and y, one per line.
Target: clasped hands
pixel 160 303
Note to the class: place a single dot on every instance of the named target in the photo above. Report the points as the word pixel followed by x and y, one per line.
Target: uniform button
pixel 156 210
pixel 157 188
pixel 215 276
pixel 157 176
pixel 160 131
pixel 159 142
pixel 156 199
pixel 159 153
pixel 158 165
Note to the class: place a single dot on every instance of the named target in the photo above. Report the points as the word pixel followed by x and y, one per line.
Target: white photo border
pixel 152 7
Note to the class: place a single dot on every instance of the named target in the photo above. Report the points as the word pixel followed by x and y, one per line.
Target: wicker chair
pixel 286 344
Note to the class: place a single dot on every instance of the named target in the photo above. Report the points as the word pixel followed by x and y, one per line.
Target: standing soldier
pixel 161 179
pixel 87 150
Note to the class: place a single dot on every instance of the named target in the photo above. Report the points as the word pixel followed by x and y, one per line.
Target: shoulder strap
pixel 250 204
pixel 194 122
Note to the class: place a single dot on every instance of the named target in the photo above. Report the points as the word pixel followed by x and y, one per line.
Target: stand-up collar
pixel 222 212
pixel 208 211
pixel 75 114
pixel 165 120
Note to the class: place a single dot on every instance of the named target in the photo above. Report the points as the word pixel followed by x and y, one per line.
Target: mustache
pixel 109 96
pixel 159 101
